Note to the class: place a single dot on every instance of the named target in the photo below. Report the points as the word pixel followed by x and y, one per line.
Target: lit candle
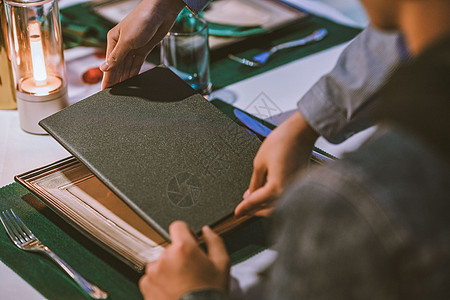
pixel 38 60
pixel 41 83
pixel 37 54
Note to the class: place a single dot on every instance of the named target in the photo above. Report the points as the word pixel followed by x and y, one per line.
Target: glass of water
pixel 185 51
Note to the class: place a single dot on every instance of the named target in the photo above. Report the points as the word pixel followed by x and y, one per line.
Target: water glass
pixel 185 51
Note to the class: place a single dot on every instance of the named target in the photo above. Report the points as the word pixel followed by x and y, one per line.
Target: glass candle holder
pixel 37 58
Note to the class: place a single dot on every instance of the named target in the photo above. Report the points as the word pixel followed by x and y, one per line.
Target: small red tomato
pixel 92 76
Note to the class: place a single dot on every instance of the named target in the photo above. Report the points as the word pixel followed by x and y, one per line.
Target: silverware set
pixel 24 239
pixel 261 58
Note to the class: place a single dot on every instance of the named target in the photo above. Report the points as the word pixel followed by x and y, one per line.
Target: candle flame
pixel 37 54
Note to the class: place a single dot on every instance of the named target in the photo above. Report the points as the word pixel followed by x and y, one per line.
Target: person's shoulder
pixel 417 97
pixel 394 176
pixel 396 169
pixel 385 205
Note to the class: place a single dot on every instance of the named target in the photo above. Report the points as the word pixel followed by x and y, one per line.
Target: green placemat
pixel 85 256
pixel 225 71
pixel 82 27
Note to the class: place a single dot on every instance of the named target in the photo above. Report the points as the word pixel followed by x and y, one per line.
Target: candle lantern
pixel 37 57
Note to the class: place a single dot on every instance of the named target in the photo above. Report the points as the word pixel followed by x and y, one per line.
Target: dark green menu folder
pixel 161 148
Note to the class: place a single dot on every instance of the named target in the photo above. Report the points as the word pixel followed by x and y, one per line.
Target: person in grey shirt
pixel 374 225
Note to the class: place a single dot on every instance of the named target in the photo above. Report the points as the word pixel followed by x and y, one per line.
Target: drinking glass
pixel 185 51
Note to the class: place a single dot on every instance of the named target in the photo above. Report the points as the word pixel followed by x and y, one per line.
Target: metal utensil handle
pixel 313 37
pixel 90 288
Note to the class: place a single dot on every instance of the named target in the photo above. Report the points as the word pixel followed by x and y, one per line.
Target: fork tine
pixel 243 61
pixel 14 227
pixel 6 225
pixel 9 229
pixel 23 226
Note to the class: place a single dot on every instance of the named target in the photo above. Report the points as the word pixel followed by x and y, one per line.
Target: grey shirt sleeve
pixel 196 6
pixel 338 105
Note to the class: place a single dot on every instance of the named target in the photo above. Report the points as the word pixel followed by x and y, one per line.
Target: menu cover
pixel 149 148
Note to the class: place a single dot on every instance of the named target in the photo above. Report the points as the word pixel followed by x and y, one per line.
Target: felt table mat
pixel 85 256
pixel 224 71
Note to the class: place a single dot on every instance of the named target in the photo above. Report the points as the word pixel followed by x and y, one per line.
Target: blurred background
pixel 350 8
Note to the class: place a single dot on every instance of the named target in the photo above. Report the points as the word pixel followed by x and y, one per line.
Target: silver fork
pixel 24 239
pixel 263 57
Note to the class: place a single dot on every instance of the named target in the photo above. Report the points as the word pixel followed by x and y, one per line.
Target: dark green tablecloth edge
pixel 85 256
pixel 225 71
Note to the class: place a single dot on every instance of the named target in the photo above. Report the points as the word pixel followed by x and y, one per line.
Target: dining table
pixel 270 93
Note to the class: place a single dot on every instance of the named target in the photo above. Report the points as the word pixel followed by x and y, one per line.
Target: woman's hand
pixel 130 41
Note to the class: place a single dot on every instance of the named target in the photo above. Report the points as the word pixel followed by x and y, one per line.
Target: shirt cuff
pixel 196 6
pixel 340 103
pixel 205 294
pixel 321 115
